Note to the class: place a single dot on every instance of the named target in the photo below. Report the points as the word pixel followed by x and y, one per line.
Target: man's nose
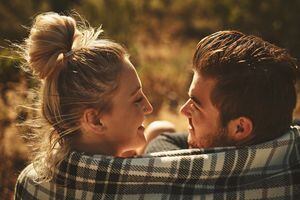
pixel 185 109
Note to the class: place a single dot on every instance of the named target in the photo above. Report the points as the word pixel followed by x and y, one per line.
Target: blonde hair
pixel 77 71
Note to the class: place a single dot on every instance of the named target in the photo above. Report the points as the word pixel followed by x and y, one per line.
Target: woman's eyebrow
pixel 135 91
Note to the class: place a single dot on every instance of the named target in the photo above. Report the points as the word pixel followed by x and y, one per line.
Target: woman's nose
pixel 147 107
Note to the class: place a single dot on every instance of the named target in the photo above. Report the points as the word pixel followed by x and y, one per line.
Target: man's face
pixel 205 129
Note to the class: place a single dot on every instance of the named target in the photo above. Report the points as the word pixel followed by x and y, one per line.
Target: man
pixel 240 111
pixel 242 93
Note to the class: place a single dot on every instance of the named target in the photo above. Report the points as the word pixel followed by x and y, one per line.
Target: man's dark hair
pixel 254 79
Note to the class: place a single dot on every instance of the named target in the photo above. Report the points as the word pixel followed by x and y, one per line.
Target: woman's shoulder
pixel 27 173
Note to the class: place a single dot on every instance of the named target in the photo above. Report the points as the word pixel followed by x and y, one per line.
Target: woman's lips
pixel 140 133
pixel 141 129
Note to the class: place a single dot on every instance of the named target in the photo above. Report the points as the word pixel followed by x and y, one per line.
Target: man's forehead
pixel 200 84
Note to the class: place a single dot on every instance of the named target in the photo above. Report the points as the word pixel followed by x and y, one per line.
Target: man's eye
pixel 197 106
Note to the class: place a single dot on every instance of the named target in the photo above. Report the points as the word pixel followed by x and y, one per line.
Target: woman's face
pixel 123 124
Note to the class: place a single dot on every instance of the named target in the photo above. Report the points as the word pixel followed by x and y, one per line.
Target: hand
pixel 156 128
pixel 128 154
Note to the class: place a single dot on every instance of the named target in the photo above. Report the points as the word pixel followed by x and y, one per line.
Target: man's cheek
pixel 197 118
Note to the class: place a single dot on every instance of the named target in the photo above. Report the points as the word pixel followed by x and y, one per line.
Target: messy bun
pixel 51 36
pixel 78 71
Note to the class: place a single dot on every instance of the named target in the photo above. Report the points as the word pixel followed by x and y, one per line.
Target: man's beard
pixel 221 139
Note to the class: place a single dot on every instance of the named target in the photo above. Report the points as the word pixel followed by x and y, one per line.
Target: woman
pixel 91 96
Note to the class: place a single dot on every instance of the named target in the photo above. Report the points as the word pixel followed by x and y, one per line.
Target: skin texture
pixel 205 129
pixel 130 105
pixel 119 132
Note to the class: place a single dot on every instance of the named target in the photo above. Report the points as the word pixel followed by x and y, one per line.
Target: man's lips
pixel 191 127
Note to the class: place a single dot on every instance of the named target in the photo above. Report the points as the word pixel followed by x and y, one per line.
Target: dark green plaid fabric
pixel 265 171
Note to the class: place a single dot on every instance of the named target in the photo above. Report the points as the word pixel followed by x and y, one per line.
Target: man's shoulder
pixel 167 142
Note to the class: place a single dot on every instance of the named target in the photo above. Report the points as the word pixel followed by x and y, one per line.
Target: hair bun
pixel 51 35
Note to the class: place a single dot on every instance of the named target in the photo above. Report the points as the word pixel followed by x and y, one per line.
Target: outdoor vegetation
pixel 160 36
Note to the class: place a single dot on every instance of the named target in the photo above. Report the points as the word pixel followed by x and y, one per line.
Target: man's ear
pixel 240 129
pixel 91 121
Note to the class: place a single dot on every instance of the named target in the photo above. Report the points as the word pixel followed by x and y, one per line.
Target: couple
pixel 240 145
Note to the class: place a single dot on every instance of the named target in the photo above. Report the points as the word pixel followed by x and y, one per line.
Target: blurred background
pixel 160 36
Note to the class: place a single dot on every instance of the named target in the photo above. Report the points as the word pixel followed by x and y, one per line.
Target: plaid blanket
pixel 266 171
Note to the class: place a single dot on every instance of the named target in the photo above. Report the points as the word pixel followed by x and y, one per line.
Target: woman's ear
pixel 91 121
pixel 240 129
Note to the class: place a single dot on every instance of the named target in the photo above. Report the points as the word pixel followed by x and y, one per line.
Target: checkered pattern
pixel 266 171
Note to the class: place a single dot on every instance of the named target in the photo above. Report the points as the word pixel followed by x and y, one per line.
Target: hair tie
pixel 69 53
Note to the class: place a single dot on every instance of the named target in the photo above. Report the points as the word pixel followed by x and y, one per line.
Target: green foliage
pixel 8 68
pixel 275 20
pixel 117 17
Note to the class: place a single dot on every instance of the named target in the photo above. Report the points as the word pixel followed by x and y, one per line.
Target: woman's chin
pixel 141 129
pixel 137 142
pixel 140 133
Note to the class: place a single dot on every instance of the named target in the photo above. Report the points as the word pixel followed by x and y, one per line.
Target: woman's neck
pixel 93 145
pixel 97 144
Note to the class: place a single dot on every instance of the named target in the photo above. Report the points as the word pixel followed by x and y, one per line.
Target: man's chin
pixel 194 146
pixel 191 144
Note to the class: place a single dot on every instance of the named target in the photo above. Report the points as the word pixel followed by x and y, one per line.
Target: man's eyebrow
pixel 135 91
pixel 198 103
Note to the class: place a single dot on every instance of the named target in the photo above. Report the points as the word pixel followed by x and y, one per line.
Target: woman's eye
pixel 138 100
